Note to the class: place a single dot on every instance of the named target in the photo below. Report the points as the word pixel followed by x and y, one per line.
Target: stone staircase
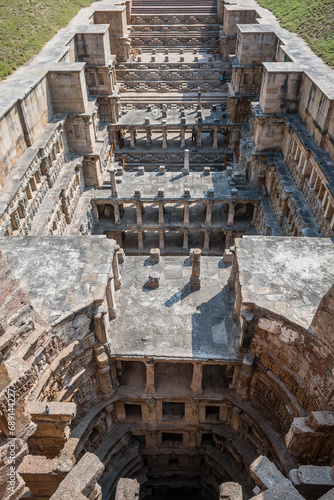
pixel 196 7
pixel 175 51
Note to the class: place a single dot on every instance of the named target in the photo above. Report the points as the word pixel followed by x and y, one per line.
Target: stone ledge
pixel 57 411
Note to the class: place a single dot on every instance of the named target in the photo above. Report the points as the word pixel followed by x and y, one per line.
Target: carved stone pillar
pixel 208 217
pixel 117 214
pixel 140 241
pixel 182 138
pixel 139 217
pixel 199 136
pixel 117 276
pixel 112 171
pixel 161 240
pixel 254 215
pixel 161 214
pixel 164 138
pixel 113 136
pixel 214 138
pixel 186 162
pixel 132 138
pixel 186 213
pixel 149 385
pixel 206 244
pixel 196 383
pixel 148 138
pixel 228 239
pixel 195 281
pixel 185 239
pixel 230 219
pixel 111 299
pixel 95 212
pixel 199 99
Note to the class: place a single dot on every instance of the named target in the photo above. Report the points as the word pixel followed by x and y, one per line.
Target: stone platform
pixel 288 276
pixel 175 321
pixel 60 274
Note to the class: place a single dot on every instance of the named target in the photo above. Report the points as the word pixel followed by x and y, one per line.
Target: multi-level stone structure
pixel 166 259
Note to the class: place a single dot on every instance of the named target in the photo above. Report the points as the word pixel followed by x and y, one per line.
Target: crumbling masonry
pixel 166 259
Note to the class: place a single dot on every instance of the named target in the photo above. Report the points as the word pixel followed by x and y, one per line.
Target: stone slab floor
pixel 174 321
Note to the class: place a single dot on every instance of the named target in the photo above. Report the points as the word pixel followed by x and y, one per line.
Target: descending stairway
pixel 188 29
pixel 175 52
pixel 194 7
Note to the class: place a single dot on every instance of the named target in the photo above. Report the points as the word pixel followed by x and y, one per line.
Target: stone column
pixel 164 138
pixel 195 281
pixel 139 217
pixel 254 215
pixel 182 137
pixel 117 214
pixel 113 136
pixel 196 383
pixel 149 385
pixel 95 212
pixel 230 219
pixel 132 138
pixel 208 217
pixel 161 240
pixel 148 138
pixel 140 241
pixel 186 213
pixel 185 239
pixel 228 239
pixel 186 160
pixel 112 171
pixel 199 101
pixel 206 244
pixel 199 136
pixel 117 276
pixel 214 138
pixel 161 214
pixel 111 299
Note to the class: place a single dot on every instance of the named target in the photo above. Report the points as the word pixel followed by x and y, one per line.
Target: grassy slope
pixel 26 25
pixel 313 20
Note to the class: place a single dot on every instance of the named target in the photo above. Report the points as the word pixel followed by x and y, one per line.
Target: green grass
pixel 313 20
pixel 26 25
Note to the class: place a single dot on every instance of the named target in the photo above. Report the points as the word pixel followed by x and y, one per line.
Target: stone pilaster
pixel 230 219
pixel 149 385
pixel 196 383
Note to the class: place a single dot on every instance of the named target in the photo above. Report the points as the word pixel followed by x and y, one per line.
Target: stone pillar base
pixel 195 283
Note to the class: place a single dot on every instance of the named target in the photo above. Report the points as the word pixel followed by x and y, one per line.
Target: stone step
pixel 179 19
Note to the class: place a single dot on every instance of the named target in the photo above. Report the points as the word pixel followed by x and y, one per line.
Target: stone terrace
pixel 176 322
pixel 287 276
pixel 60 274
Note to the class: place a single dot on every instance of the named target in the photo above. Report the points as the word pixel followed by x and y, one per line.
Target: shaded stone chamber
pixel 167 259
